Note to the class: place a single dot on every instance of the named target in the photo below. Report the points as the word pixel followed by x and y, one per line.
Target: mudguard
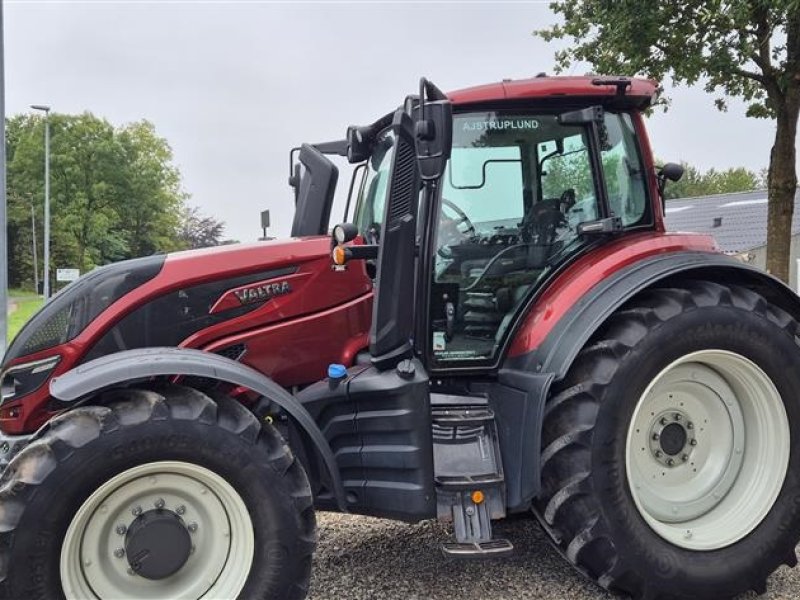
pixel 535 371
pixel 558 350
pixel 144 363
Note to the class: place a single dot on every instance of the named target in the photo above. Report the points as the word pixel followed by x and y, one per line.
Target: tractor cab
pixel 464 216
pixel 523 193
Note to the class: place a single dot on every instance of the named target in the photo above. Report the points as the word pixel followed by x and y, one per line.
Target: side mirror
pixel 671 172
pixel 433 131
pixel 359 144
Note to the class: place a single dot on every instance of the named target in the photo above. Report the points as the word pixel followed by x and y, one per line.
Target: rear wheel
pixel 668 464
pixel 158 493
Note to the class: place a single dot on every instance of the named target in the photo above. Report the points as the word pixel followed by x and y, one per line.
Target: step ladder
pixel 470 487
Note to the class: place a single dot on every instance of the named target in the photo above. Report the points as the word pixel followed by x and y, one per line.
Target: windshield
pixel 515 190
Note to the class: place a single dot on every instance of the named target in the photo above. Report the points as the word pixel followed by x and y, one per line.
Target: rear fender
pixel 145 363
pixel 552 358
pixel 559 348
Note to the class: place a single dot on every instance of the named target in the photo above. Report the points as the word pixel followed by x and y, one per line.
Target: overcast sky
pixel 234 85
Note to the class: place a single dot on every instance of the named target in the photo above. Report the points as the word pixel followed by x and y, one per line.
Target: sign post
pixel 265 223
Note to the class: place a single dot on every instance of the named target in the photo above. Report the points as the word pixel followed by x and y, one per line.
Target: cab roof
pixel 638 93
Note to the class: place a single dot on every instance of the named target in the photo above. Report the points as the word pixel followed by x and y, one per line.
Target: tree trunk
pixel 782 183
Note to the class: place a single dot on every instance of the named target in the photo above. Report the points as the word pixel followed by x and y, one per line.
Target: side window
pixel 372 200
pixel 567 173
pixel 623 171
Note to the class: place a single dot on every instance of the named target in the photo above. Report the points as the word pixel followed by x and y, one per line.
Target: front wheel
pixel 158 494
pixel 670 460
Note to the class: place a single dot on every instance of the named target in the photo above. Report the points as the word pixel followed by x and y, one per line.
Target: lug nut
pixel 663 421
pixel 192 527
pixel 658 454
pixel 131 571
pixel 693 442
pixel 685 457
pixel 670 462
pixel 690 425
pixel 181 509
pixel 159 504
pixel 119 552
pixel 656 437
pixel 677 417
pixel 136 511
pixel 121 529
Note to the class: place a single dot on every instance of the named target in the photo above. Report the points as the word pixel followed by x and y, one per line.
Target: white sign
pixel 67 274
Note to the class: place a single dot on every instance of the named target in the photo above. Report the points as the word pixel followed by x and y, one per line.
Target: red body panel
pixel 580 277
pixel 298 351
pixel 339 303
pixel 546 87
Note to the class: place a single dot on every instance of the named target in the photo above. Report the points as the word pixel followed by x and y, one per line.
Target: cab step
pixel 470 486
pixel 492 549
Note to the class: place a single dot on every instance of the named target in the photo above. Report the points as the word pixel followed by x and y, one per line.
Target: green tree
pixel 199 231
pixel 150 218
pixel 748 49
pixel 114 192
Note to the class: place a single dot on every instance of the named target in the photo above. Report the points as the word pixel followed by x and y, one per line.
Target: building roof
pixel 640 91
pixel 737 221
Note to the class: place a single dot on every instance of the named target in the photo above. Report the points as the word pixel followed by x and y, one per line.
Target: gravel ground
pixel 373 559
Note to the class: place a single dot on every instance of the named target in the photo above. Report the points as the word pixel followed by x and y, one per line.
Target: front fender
pixel 141 364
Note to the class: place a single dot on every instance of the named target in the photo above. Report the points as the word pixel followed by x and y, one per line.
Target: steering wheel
pixel 461 218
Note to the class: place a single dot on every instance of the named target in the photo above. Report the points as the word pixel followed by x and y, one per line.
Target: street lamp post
pixel 46 266
pixel 3 234
pixel 35 259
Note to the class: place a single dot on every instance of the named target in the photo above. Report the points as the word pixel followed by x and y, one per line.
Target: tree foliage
pixel 200 231
pixel 699 183
pixel 114 193
pixel 749 49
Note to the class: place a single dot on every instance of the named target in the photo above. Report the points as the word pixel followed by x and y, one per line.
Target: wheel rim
pixel 96 555
pixel 707 450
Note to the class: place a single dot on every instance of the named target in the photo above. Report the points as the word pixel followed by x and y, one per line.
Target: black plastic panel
pixel 171 318
pixel 315 196
pixel 393 308
pixel 378 425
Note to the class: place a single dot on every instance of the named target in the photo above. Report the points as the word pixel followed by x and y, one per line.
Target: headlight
pixel 23 379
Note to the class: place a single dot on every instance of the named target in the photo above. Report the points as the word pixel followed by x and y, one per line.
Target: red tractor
pixel 502 325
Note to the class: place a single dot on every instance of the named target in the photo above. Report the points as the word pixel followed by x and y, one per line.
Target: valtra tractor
pixel 501 325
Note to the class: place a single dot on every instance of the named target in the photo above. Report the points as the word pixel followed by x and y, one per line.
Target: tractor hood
pixel 165 300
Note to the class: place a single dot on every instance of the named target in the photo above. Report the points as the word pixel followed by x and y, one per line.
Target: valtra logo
pixel 259 293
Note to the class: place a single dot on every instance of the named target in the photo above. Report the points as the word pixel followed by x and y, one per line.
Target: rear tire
pixel 696 350
pixel 81 506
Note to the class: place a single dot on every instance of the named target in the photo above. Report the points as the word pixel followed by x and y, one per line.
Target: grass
pixel 27 304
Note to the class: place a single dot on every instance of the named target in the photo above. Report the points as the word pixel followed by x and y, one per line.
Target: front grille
pixel 234 352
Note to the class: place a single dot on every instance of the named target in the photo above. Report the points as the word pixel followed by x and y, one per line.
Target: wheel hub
pixel 672 438
pixel 157 544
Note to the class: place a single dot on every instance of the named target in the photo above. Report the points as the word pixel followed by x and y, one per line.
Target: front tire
pixel 157 493
pixel 670 459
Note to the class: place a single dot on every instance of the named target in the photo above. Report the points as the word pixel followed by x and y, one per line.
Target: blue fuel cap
pixel 336 371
